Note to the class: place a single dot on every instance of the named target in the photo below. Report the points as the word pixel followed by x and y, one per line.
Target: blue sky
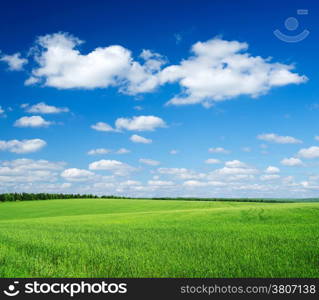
pixel 169 98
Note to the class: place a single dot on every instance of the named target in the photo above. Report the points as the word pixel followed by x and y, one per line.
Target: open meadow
pixel 158 238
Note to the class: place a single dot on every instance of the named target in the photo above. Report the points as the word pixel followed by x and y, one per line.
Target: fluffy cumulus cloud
pixel 311 152
pixel 227 170
pixel 291 162
pixel 275 138
pixel 212 161
pixel 150 162
pixel 43 108
pixel 218 150
pixel 62 65
pixel 235 164
pixel 160 183
pixel 140 123
pixel 22 146
pixel 233 171
pixel 15 61
pixel 219 70
pixel 101 126
pixel 140 139
pixel 116 167
pixel 99 151
pixel 216 71
pixel 137 123
pixel 107 151
pixel 33 121
pixel 29 171
pixel 269 177
pixel 181 173
pixel 235 179
pixel 123 151
pixel 142 78
pixel 30 164
pixel 74 174
pixel 197 183
pixel 272 170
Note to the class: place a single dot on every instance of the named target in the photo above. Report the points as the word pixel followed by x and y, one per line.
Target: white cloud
pixel 311 152
pixel 160 183
pixel 212 161
pixel 28 171
pixel 235 164
pixel 291 162
pixel 116 167
pixel 107 151
pixel 23 146
pixel 15 62
pixel 272 170
pixel 196 183
pixel 218 150
pixel 61 65
pixel 130 182
pixel 174 151
pixel 31 81
pixel 143 78
pixel 251 187
pixel 101 126
pixel 218 70
pixel 140 123
pixel 272 137
pixel 34 121
pixel 139 139
pixel 221 70
pixel 42 176
pixel 309 185
pixel 123 151
pixel 149 162
pixel 104 186
pixel 269 177
pixel 1 110
pixel 153 61
pixel 99 151
pixel 74 174
pixel 30 164
pixel 43 108
pixel 181 173
pixel 246 149
pixel 317 138
pixel 236 171
pixel 65 185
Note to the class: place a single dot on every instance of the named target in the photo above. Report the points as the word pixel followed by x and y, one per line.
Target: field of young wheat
pixel 158 238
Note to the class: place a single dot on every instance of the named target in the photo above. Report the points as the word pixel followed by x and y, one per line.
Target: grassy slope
pixel 153 238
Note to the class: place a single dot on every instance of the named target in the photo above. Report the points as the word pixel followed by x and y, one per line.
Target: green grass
pixel 154 238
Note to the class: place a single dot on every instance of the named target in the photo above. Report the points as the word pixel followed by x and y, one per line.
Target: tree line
pixel 6 197
pixel 265 200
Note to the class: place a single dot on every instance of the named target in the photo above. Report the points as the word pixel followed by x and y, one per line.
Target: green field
pixel 155 238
